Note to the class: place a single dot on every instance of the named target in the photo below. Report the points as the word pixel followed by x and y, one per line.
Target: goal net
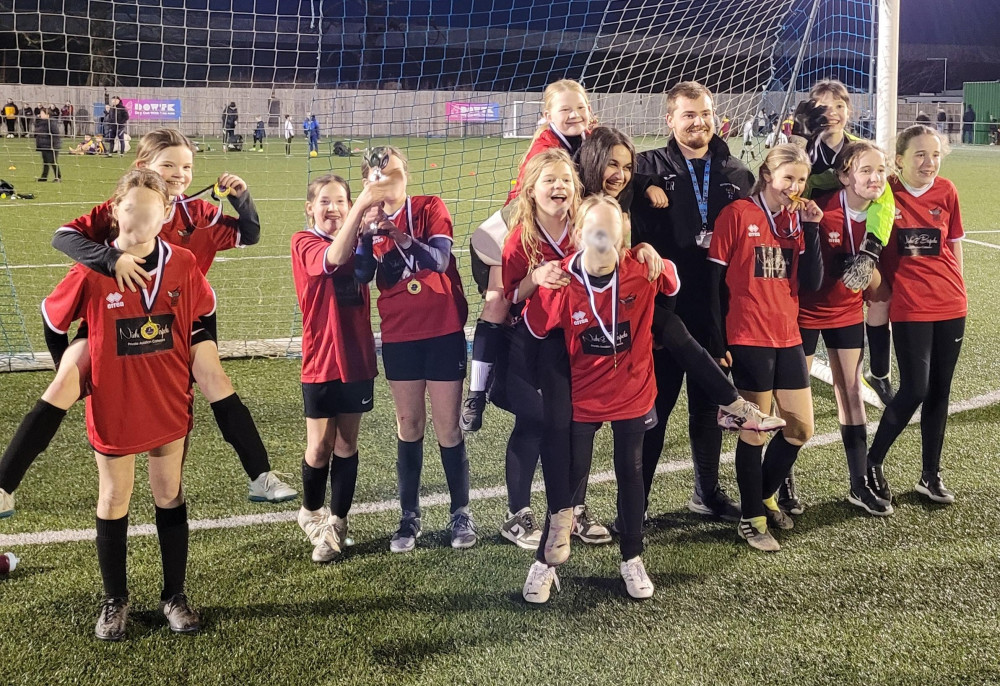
pixel 457 90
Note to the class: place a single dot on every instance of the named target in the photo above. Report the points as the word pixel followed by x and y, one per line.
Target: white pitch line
pixel 984 231
pixel 987 245
pixel 70 535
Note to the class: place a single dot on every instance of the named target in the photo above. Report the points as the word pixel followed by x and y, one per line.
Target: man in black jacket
pixel 114 126
pixel 47 142
pixel 701 177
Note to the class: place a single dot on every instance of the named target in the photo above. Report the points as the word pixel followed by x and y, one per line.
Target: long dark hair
pixel 595 153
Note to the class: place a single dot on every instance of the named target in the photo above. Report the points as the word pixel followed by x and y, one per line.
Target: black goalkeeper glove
pixel 809 119
pixel 858 271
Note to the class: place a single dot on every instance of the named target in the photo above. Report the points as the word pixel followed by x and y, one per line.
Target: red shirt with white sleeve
pixel 515 261
pixel 140 349
pixel 610 382
pixel 919 262
pixel 415 304
pixel 761 274
pixel 195 225
pixel 337 340
pixel 841 233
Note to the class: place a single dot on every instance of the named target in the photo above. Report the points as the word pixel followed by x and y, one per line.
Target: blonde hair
pixel 548 102
pixel 526 207
pixel 158 140
pixel 586 206
pixel 786 153
pixel 317 184
pixel 137 178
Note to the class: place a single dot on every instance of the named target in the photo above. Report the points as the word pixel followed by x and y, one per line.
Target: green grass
pixel 849 600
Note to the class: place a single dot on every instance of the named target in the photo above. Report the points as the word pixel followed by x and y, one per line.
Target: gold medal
pixel 149 329
pixel 413 287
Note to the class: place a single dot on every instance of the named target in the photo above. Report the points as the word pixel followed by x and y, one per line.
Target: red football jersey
pixel 834 305
pixel 415 304
pixel 762 275
pixel 515 260
pixel 195 225
pixel 609 382
pixel 919 262
pixel 545 140
pixel 337 340
pixel 140 349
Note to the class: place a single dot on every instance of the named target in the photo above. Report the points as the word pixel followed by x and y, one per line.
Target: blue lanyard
pixel 701 194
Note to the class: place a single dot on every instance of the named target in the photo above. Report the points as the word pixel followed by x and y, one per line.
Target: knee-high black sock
pixel 112 549
pixel 31 438
pixel 456 471
pixel 409 464
pixel 855 440
pixel 778 460
pixel 748 477
pixel 878 349
pixel 523 448
pixel 172 530
pixel 314 485
pixel 343 480
pixel 239 430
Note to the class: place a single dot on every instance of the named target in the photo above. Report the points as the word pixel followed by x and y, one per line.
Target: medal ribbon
pixel 794 222
pixel 613 333
pixel 564 140
pixel 848 229
pixel 411 262
pixel 701 193
pixel 548 239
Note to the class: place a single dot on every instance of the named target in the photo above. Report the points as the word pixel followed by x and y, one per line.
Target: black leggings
pixel 628 436
pixel 520 395
pixel 927 353
pixel 708 387
pixel 50 158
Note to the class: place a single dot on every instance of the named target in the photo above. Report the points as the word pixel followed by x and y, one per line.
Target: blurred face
pixel 602 230
pixel 867 177
pixel 618 172
pixel 570 113
pixel 693 121
pixel 921 162
pixel 140 215
pixel 176 166
pixel 328 210
pixel 553 191
pixel 837 112
pixel 787 180
pixel 394 182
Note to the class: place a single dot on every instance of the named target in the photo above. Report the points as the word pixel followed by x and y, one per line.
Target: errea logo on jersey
pixel 114 300
pixel 579 318
pixel 753 231
pixel 834 238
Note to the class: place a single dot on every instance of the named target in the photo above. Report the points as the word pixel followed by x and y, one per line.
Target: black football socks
pixel 343 480
pixel 172 530
pixel 32 437
pixel 239 430
pixel 112 549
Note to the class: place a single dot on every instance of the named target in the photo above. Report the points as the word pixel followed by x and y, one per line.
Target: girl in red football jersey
pixel 406 248
pixel 766 249
pixel 338 358
pixel 566 121
pixel 922 263
pixel 606 315
pixel 139 350
pixel 838 312
pixel 193 224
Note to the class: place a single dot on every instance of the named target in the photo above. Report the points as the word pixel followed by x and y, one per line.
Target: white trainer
pixel 268 488
pixel 744 415
pixel 340 527
pixel 312 521
pixel 6 504
pixel 637 582
pixel 557 545
pixel 328 546
pixel 538 585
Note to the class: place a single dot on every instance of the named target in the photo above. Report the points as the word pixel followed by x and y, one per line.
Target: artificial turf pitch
pixel 850 599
